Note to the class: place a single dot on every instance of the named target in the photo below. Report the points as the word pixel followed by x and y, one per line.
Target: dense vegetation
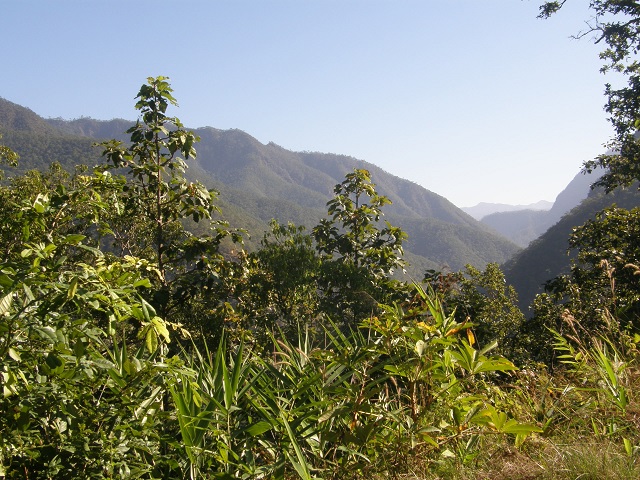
pixel 133 347
pixel 139 338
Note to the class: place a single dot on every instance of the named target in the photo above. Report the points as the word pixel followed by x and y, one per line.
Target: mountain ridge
pixel 548 256
pixel 261 180
pixel 524 226
pixel 483 209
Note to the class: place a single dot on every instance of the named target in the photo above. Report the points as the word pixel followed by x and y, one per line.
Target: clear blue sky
pixel 476 100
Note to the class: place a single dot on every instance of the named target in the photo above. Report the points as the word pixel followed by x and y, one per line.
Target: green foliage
pixel 8 156
pixel 40 148
pixel 352 233
pixel 601 285
pixel 81 406
pixel 491 303
pixel 484 298
pixel 156 201
pixel 441 379
pixel 156 189
pixel 605 271
pixel 358 255
pixel 403 382
pixel 279 289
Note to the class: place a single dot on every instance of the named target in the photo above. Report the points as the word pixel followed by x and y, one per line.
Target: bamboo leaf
pixel 258 428
pixel 299 462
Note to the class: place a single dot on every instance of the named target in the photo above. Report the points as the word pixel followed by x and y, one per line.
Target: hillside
pixel 258 182
pixel 523 226
pixel 547 257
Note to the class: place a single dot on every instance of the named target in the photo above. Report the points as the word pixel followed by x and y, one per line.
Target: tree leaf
pixel 151 340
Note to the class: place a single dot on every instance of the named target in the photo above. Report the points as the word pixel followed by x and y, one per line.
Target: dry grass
pixel 586 458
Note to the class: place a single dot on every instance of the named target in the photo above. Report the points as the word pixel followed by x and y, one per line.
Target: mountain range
pixel 549 256
pixel 258 182
pixel 523 226
pixel 483 209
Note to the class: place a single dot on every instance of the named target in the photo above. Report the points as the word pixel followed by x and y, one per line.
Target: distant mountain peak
pixel 523 226
pixel 484 208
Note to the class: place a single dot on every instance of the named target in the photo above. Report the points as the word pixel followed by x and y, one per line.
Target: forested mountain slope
pixel 523 226
pixel 258 182
pixel 547 257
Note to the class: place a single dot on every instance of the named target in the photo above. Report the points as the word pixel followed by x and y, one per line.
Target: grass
pixel 585 459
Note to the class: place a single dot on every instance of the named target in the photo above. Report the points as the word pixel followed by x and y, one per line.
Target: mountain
pixel 258 182
pixel 547 256
pixel 13 117
pixel 522 226
pixel 483 208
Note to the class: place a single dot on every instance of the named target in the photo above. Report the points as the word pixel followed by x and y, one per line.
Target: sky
pixel 475 100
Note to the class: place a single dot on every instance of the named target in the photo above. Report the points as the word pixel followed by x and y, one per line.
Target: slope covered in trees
pixel 549 255
pixel 523 226
pixel 260 182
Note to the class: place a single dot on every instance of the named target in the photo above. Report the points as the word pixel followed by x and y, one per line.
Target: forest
pixel 140 338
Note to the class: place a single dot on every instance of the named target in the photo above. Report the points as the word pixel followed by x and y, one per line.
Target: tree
pixel 603 276
pixel 8 156
pixel 68 321
pixel 157 199
pixel 281 282
pixel 485 299
pixel 353 235
pixel 359 254
pixel 601 292
pixel 616 25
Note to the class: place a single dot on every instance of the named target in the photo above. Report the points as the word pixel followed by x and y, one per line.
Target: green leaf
pixel 513 427
pixel 147 309
pixel 39 203
pixel 151 340
pixel 74 239
pixel 14 354
pixel 142 283
pixel 5 303
pixel 55 363
pixel 299 462
pixel 47 332
pixel 5 280
pixel 73 288
pixel 258 428
pixel 28 292
pixel 159 326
